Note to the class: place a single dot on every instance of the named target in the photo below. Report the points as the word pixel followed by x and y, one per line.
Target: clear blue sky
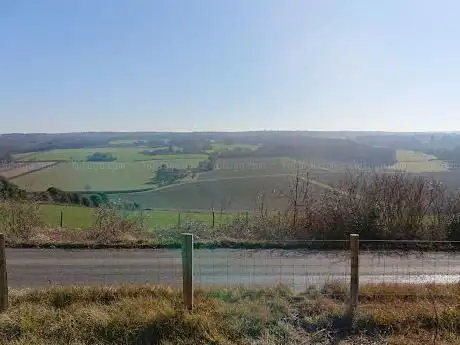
pixel 128 65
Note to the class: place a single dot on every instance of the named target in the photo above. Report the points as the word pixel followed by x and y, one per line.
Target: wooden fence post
pixel 3 276
pixel 178 220
pixel 213 219
pixel 187 270
pixel 354 281
pixel 61 217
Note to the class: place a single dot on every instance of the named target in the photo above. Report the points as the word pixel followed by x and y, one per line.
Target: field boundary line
pixel 52 165
pixel 171 186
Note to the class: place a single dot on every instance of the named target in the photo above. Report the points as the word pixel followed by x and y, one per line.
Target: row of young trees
pixel 10 191
pixel 59 196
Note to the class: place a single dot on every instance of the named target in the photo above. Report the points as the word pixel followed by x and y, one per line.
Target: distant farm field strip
pixel 12 170
pixel 98 176
pixel 122 154
pixel 418 162
pixel 219 147
pixel 124 142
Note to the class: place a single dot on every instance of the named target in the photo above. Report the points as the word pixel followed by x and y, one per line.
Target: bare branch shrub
pixel 377 205
pixel 388 205
pixel 19 219
pixel 300 216
pixel 113 225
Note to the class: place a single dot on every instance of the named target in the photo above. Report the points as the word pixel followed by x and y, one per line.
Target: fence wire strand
pixel 382 264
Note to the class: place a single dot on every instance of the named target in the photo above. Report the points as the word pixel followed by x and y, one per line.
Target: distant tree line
pixel 299 145
pixel 206 165
pixel 452 157
pixel 101 157
pixel 193 146
pixel 412 141
pixel 168 150
pixel 317 149
pixel 5 157
pixel 182 145
pixel 10 191
pixel 62 197
pixel 165 176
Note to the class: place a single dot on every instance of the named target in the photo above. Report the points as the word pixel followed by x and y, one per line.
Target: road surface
pixel 222 267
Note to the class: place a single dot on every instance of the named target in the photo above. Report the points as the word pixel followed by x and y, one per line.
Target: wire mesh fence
pixel 298 269
pixel 389 266
pixel 70 217
pixel 413 269
pixel 383 265
pixel 51 267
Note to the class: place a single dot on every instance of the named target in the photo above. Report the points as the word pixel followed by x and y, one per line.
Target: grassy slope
pixel 73 216
pixel 417 162
pixel 96 176
pixel 83 217
pixel 154 315
pixel 234 193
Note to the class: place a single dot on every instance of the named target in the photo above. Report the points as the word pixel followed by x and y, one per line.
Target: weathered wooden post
pixel 61 217
pixel 178 220
pixel 187 270
pixel 3 276
pixel 213 219
pixel 354 281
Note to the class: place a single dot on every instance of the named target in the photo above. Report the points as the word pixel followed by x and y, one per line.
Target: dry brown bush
pixel 19 220
pixel 114 225
pixel 377 205
pixel 386 206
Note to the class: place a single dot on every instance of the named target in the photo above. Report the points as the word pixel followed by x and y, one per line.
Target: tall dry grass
pixel 155 315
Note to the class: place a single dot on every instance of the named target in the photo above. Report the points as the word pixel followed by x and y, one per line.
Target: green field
pixel 418 162
pixel 261 166
pixel 122 154
pixel 76 217
pixel 98 176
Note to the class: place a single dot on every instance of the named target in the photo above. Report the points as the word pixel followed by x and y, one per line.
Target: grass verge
pixel 155 315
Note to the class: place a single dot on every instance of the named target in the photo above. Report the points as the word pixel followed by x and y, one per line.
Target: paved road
pixel 44 267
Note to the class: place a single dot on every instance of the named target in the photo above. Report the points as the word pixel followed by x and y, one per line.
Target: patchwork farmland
pixel 243 175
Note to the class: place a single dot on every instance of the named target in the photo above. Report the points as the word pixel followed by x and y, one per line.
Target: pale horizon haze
pixel 218 65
